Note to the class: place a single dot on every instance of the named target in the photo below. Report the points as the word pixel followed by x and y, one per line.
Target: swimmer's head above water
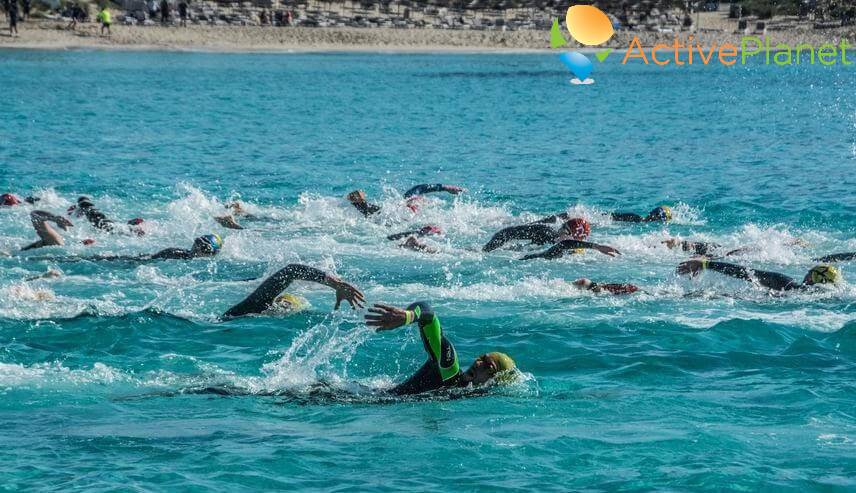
pixel 357 197
pixel 8 200
pixel 577 228
pixel 495 366
pixel 207 245
pixel 662 213
pixel 822 274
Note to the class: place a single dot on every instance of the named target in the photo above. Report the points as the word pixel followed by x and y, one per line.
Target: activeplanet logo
pixel 589 26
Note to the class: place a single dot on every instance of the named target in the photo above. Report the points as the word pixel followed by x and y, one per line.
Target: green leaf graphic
pixel 601 56
pixel 556 38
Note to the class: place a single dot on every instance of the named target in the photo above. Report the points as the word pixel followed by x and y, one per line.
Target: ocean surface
pixel 692 384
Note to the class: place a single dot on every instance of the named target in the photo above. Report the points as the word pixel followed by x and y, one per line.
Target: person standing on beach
pixel 164 8
pixel 105 20
pixel 12 13
pixel 182 13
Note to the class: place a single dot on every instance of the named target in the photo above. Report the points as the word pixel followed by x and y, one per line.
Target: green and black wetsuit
pixel 442 368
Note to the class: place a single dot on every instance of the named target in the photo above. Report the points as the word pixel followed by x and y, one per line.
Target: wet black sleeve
pixel 405 234
pixel 559 249
pixel 172 253
pixel 367 209
pixel 836 257
pixel 442 368
pixel 424 188
pixel 627 217
pixel 564 216
pixel 539 234
pixel 771 280
pixel 98 219
pixel 263 297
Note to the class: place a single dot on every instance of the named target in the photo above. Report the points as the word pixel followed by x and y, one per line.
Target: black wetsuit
pixel 442 368
pixel 837 257
pixel 425 188
pixel 263 297
pixel 658 214
pixel 419 233
pixel 771 280
pixel 96 217
pixel 366 208
pixel 559 249
pixel 536 233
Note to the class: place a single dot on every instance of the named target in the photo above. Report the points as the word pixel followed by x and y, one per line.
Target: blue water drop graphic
pixel 577 63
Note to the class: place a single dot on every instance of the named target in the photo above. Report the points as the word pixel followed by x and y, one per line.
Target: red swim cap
pixel 577 227
pixel 9 199
pixel 431 230
pixel 136 221
pixel 88 241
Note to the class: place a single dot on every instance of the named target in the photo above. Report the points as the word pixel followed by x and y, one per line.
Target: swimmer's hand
pixel 690 267
pixel 63 223
pixel 385 317
pixel 350 293
pixel 453 189
pixel 607 250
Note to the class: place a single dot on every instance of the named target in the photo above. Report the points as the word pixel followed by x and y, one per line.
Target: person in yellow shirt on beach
pixel 105 19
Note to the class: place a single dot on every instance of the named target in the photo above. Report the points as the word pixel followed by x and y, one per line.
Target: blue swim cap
pixel 214 241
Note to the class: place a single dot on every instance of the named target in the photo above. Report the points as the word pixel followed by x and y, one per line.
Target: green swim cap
pixel 824 274
pixel 506 368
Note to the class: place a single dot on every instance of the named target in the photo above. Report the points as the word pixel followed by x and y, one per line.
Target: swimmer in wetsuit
pixel 540 232
pixel 442 369
pixel 358 197
pixel 99 220
pixel 599 287
pixel 96 218
pixel 662 213
pixel 269 293
pixel 819 274
pixel 412 238
pixel 10 199
pixel 569 238
pixel 837 257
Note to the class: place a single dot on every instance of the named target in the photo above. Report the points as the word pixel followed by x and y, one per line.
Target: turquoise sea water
pixel 705 384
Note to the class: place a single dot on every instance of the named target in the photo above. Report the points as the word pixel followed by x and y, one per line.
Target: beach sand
pixel 52 35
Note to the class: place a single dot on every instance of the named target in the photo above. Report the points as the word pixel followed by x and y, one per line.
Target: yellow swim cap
pixel 824 274
pixel 506 367
pixel 667 211
pixel 289 303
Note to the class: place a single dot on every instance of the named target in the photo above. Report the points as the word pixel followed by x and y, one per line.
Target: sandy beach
pixel 52 35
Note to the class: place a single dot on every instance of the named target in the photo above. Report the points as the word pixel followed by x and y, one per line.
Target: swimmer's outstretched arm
pixel 405 234
pixel 439 349
pixel 770 280
pixel 436 187
pixel 559 249
pixel 836 257
pixel 263 297
pixel 627 217
pixel 539 234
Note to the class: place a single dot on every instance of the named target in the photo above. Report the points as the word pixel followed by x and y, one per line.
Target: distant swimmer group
pixel 558 235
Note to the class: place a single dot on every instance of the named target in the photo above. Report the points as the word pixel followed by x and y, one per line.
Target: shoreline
pixel 52 36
